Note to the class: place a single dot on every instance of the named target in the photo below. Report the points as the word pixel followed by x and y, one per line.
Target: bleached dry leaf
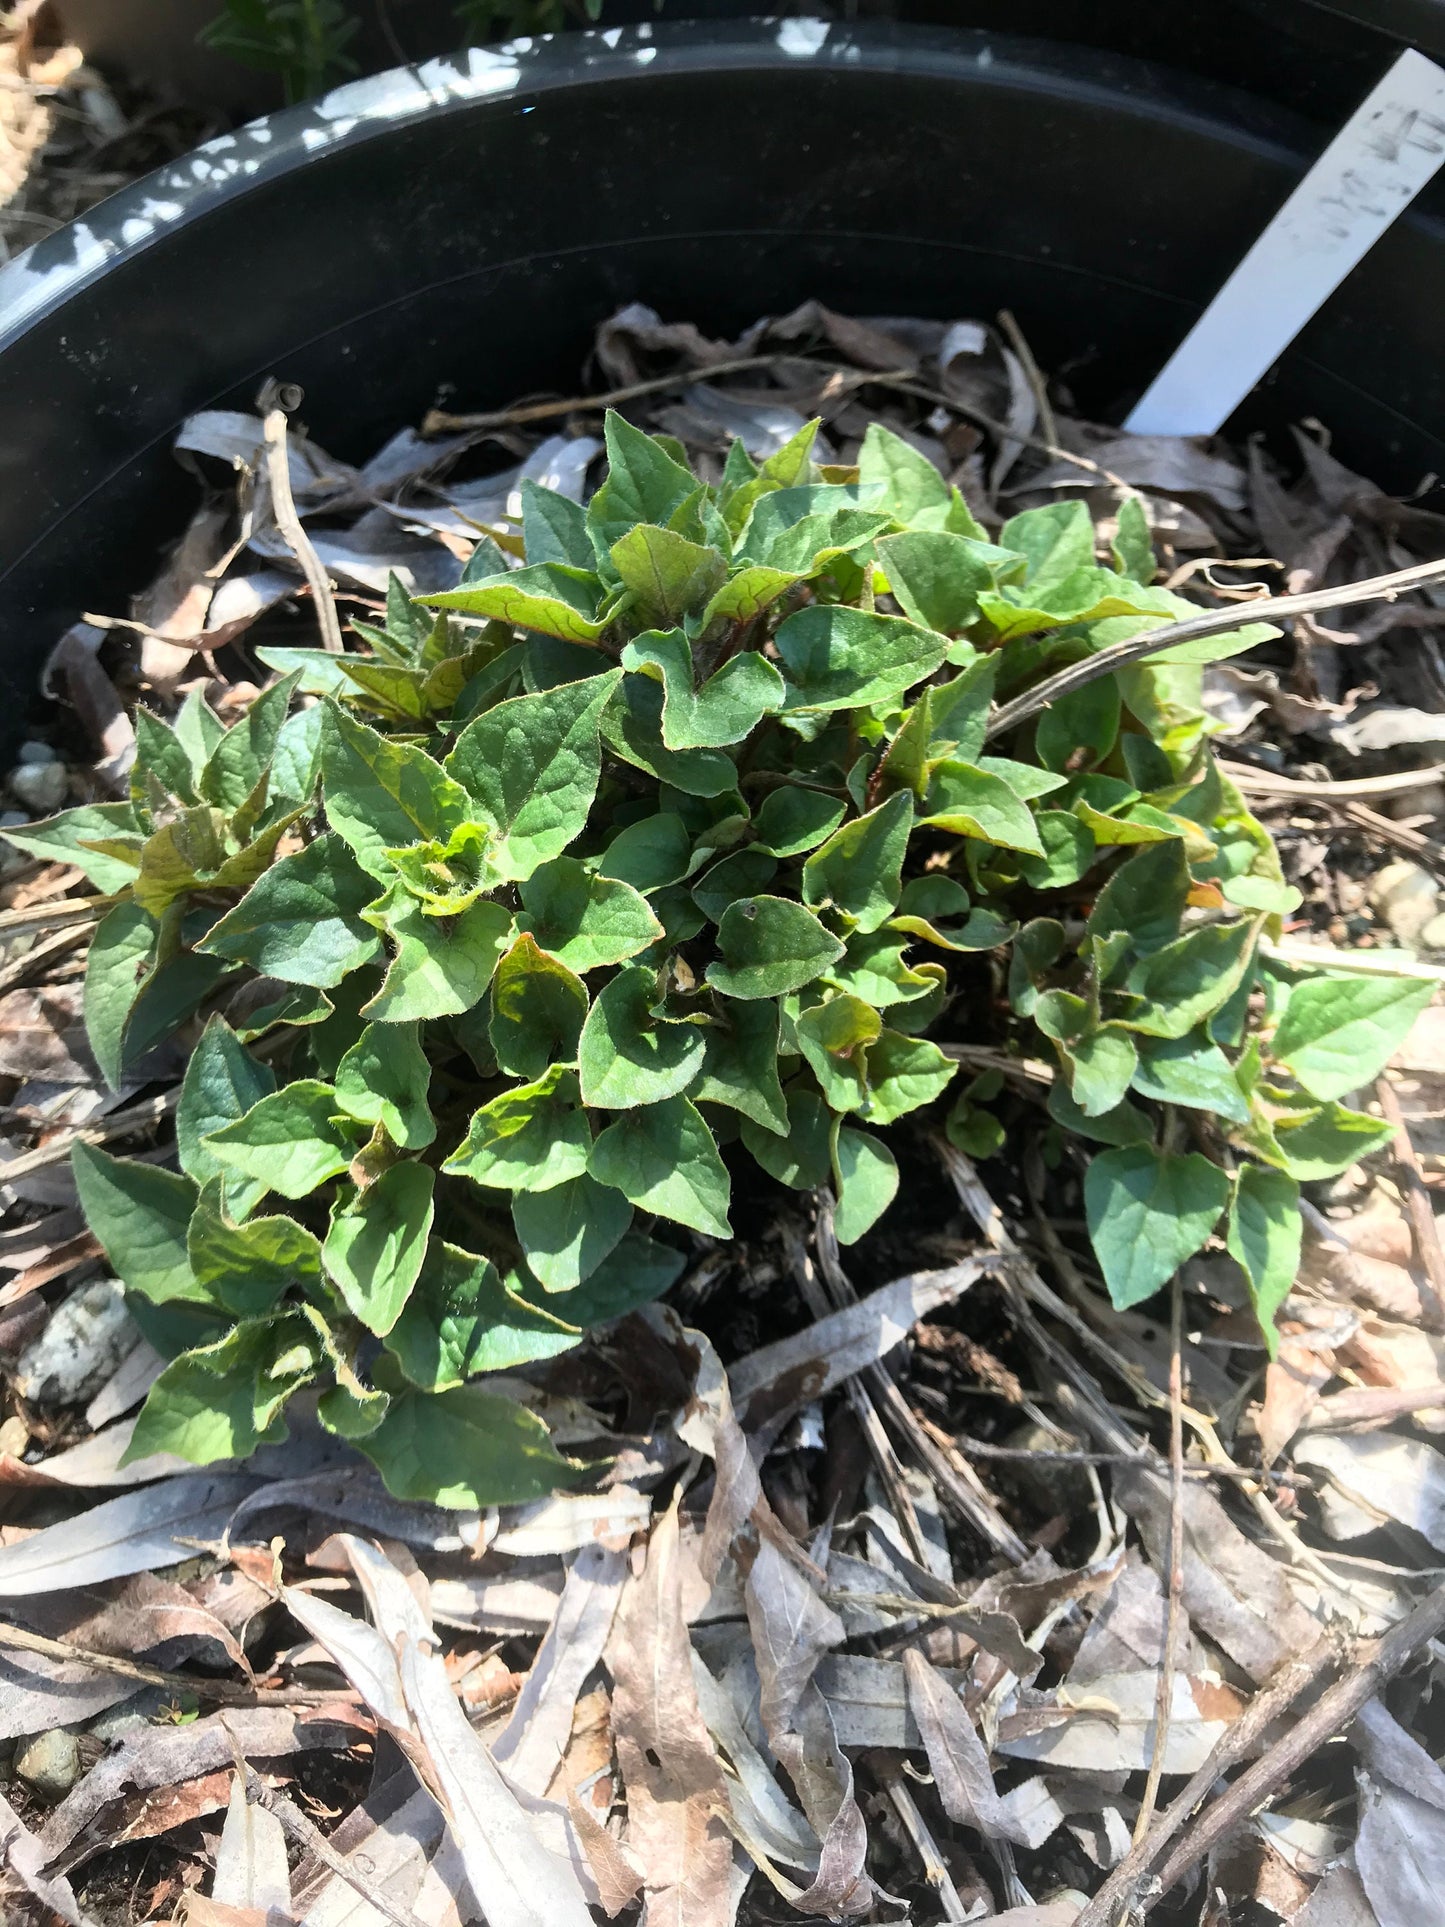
pixel 524 1604
pixel 797 1370
pixel 126 1386
pixel 304 1473
pixel 762 1813
pixel 1392 1756
pixel 868 1700
pixel 536 1736
pixel 675 1794
pixel 709 1425
pixel 1293 1382
pixel 1053 1913
pixel 959 1764
pixel 391 1858
pixel 1109 1725
pixel 161 1757
pixel 520 1852
pixel 135 1533
pixel 363 1655
pixel 251 1868
pixel 571 1520
pixel 523 1856
pixel 1127 1631
pixel 1399 1853
pixel 1374 1477
pixel 1385 1352
pixel 1338 1901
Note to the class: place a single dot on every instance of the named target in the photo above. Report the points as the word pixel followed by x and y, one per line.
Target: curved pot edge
pixel 148 211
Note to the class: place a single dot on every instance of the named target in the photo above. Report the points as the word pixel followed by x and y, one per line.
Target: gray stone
pixel 83 1342
pixel 50 1763
pixel 131 1714
pixel 43 787
pixel 36 753
pixel 12 860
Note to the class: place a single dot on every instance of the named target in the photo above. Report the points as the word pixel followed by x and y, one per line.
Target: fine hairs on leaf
pixel 659 868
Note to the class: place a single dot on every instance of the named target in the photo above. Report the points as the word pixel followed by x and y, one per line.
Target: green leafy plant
pixel 304 41
pixel 679 849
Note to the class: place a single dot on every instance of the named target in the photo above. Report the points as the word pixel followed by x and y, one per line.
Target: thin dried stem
pixel 1417 1196
pixel 935 1867
pixel 1264 782
pixel 1209 622
pixel 283 506
pixel 1164 1702
pixel 440 422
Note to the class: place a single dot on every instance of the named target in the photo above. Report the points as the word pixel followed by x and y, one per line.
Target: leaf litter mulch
pixel 925 1588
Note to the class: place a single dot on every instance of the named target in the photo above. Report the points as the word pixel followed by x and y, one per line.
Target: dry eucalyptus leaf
pixel 675 1793
pixel 1378 1476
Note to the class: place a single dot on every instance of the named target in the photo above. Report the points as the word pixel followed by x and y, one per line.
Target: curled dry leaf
pixel 791 1631
pixel 958 1761
pixel 1374 1477
pixel 535 1738
pixel 251 1866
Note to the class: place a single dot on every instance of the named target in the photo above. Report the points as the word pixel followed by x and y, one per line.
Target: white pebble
pixel 1407 897
pixel 42 787
pixel 85 1340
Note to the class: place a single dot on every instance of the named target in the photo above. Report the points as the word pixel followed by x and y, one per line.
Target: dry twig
pixel 1209 622
pixel 1417 1197
pixel 1111 1903
pixel 1372 1668
pixel 270 402
pixel 1164 1702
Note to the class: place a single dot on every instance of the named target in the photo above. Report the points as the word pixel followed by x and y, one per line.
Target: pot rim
pixel 159 206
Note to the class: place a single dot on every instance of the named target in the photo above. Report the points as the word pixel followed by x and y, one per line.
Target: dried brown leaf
pixel 674 1782
pixel 1293 1382
pixel 791 1631
pixel 1399 1853
pixel 958 1761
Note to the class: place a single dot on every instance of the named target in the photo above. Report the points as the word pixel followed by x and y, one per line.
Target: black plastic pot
pixel 1317 57
pixel 468 225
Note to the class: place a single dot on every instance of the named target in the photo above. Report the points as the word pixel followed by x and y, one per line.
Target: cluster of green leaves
pixel 306 42
pixel 528 926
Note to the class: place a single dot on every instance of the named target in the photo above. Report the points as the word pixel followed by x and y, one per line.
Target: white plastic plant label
pixel 1367 176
